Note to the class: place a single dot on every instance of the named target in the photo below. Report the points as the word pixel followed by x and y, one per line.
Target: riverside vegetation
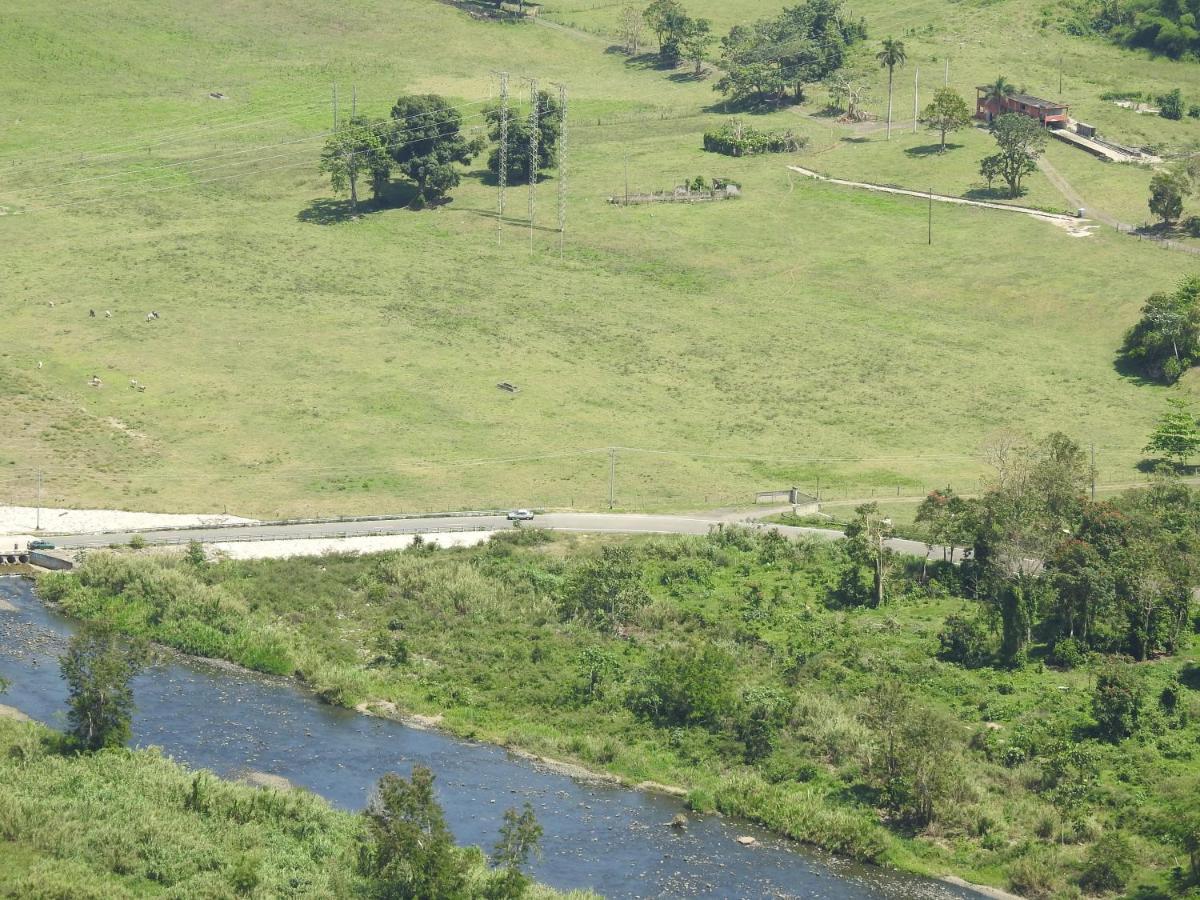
pixel 65 828
pixel 988 720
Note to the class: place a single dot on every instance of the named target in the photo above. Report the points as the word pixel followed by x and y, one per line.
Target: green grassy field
pixel 804 331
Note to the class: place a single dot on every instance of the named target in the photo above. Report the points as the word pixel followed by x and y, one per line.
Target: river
pixel 600 836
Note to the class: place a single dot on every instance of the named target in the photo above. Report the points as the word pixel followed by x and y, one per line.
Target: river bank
pixel 235 722
pixel 731 679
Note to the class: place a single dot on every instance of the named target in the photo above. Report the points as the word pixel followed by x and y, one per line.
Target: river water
pixel 600 836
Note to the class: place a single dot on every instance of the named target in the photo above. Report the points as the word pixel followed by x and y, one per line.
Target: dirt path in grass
pixel 1075 199
pixel 1073 225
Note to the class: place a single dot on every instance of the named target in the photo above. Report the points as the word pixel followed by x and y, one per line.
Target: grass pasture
pixel 307 364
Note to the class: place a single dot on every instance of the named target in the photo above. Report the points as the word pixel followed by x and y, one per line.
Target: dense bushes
pixel 735 138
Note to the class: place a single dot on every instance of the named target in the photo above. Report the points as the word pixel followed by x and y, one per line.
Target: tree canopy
pixel 1020 141
pixel 803 44
pixel 358 148
pixel 99 667
pixel 947 112
pixel 519 129
pixel 427 143
pixel 1165 342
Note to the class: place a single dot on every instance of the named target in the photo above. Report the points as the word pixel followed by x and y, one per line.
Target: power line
pixel 383 123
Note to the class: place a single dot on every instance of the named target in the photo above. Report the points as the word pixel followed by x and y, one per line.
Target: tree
pixel 866 544
pixel 519 130
pixel 1170 104
pixel 1020 140
pixel 1165 342
pixel 989 168
pixel 804 43
pixel 426 143
pixel 1177 435
pixel 630 27
pixel 690 685
pixel 409 851
pixel 889 57
pixel 1167 191
pixel 1117 700
pixel 998 91
pixel 520 837
pixel 605 589
pixel 694 41
pixel 664 18
pixel 949 519
pixel 99 670
pixel 947 112
pixel 357 148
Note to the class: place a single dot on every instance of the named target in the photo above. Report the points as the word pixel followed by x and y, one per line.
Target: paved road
pixel 618 523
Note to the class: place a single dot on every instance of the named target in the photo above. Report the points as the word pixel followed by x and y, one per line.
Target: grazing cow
pixel 91 314
pixel 108 314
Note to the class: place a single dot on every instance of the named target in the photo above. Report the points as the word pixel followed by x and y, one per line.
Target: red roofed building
pixel 1050 113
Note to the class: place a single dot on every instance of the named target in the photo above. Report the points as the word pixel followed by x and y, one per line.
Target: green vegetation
pixel 736 138
pixel 1165 342
pixel 120 824
pixel 947 112
pixel 936 719
pixel 99 669
pixel 1020 141
pixel 1163 26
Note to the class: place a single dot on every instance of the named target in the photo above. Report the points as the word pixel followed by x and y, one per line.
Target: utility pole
pixel 533 152
pixel 562 167
pixel 502 174
pixel 353 100
pixel 612 476
pixel 38 525
pixel 916 96
pixel 947 71
pixel 1060 76
pixel 931 217
pixel 335 106
pixel 626 177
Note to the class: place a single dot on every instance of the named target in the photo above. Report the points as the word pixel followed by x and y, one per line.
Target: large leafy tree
pixel 1020 141
pixel 866 545
pixel 947 112
pixel 99 669
pixel 889 57
pixel 695 40
pixel 805 43
pixel 357 149
pixel 1167 192
pixel 409 851
pixel 519 130
pixel 1165 342
pixel 427 145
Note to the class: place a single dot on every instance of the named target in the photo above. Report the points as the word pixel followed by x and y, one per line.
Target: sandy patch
pixel 655 787
pixel 571 770
pixel 11 712
pixel 375 543
pixel 266 780
pixel 386 709
pixel 995 893
pixel 5 606
pixel 20 520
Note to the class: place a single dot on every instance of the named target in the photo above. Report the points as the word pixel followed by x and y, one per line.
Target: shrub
pixel 687 685
pixel 1069 653
pixel 1170 104
pixel 137 542
pixel 606 589
pixel 1194 111
pixel 1109 864
pixel 1117 700
pixel 735 138
pixel 965 640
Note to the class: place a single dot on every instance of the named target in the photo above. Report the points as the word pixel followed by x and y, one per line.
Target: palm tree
pixel 889 57
pixel 999 91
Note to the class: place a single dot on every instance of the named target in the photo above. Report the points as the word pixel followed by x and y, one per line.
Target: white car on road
pixel 520 515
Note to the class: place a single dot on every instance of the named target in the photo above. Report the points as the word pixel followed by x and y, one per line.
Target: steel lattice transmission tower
pixel 502 172
pixel 562 166
pixel 533 152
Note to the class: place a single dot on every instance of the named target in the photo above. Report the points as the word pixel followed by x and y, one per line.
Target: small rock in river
pixel 746 841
